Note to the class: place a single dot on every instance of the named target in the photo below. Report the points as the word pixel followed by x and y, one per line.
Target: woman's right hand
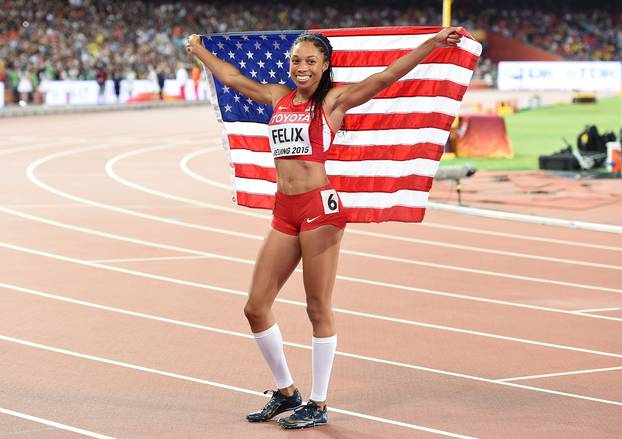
pixel 192 42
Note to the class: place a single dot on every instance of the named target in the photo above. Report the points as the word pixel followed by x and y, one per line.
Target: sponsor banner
pixel 88 92
pixel 560 75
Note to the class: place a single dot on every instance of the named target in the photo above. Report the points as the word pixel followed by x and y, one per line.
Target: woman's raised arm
pixel 230 76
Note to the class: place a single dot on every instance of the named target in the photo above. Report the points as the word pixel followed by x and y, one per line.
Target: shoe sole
pixel 300 427
pixel 254 421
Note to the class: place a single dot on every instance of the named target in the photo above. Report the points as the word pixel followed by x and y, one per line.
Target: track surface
pixel 125 268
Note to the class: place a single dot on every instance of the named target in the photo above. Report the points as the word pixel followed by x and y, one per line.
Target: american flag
pixel 383 161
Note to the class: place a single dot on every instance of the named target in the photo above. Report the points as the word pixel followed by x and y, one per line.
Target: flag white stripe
pixel 419 104
pixel 247 157
pixel 438 72
pixel 383 200
pixel 254 186
pixel 246 128
pixel 382 168
pixel 392 137
pixel 393 42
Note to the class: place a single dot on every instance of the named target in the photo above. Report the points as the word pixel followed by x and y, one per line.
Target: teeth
pixel 302 78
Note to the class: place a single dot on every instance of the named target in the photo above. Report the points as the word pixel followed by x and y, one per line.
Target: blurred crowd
pixel 99 40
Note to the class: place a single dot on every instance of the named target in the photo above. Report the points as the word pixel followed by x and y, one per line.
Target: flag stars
pixel 225 89
pixel 286 54
pixel 231 55
pixel 257 45
pixel 272 73
pixel 246 108
pixel 245 37
pixel 259 110
pixel 249 54
pixel 261 64
pixel 279 64
pixel 268 55
pixel 281 82
pixel 276 45
pixel 253 73
pixel 263 81
pixel 263 37
pixel 283 37
pixel 227 37
pixel 220 45
pixel 238 45
pixel 249 100
pixel 227 108
pixel 236 98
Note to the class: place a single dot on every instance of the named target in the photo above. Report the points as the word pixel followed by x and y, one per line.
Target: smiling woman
pixel 308 216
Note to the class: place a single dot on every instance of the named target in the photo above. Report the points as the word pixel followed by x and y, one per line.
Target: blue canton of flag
pixel 261 57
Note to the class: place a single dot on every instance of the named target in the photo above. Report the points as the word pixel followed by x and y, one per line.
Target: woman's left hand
pixel 448 37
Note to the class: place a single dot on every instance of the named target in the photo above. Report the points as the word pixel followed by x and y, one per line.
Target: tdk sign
pixel 560 75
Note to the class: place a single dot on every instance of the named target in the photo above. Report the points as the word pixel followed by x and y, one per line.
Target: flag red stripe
pixel 358 122
pixel 255 172
pixel 255 200
pixel 381 58
pixel 396 152
pixel 421 87
pixel 397 213
pixel 388 30
pixel 381 184
pixel 252 143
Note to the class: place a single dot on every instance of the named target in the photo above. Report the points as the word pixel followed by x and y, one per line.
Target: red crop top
pixel 294 135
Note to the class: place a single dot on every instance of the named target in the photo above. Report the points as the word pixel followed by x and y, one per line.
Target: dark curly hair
pixel 326 82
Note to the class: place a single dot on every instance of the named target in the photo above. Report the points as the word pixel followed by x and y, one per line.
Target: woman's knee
pixel 255 312
pixel 319 312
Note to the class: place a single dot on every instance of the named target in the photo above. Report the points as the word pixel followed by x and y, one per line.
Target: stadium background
pixel 566 300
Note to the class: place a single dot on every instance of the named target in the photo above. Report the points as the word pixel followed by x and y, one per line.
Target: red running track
pixel 125 270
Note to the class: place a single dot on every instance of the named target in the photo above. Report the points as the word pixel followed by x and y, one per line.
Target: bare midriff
pixel 299 176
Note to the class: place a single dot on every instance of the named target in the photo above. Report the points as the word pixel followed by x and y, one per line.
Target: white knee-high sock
pixel 323 353
pixel 270 344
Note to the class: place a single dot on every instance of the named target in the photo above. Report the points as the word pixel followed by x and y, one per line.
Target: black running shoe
pixel 279 403
pixel 307 416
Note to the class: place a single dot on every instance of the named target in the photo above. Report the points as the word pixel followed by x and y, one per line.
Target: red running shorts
pixel 293 214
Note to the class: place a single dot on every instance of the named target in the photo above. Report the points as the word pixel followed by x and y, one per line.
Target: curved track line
pixel 111 172
pixel 52 424
pixel 44 186
pixel 203 254
pixel 186 169
pixel 303 304
pixel 212 383
pixel 295 345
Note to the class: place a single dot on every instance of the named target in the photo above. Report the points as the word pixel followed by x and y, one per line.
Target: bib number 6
pixel 330 201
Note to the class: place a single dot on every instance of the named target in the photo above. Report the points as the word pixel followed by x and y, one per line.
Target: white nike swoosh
pixel 310 220
pixel 282 108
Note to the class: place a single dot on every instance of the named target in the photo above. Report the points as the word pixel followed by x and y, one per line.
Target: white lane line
pixel 111 172
pixel 67 142
pixel 53 423
pixel 214 384
pixel 559 374
pixel 617 308
pixel 44 186
pixel 295 345
pixel 154 259
pixel 201 254
pixel 500 215
pixel 303 304
pixel 82 205
pixel 185 167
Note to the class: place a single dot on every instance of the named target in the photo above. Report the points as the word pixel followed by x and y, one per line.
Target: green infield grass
pixel 540 131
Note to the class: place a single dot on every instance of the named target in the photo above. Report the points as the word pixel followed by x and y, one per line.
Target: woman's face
pixel 307 65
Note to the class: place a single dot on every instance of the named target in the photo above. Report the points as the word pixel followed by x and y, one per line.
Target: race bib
pixel 330 200
pixel 289 134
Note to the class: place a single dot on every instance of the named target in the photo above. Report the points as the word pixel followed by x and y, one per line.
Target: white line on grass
pixel 53 423
pixel 214 384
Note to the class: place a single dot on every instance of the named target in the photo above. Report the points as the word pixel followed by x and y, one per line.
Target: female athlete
pixel 308 218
